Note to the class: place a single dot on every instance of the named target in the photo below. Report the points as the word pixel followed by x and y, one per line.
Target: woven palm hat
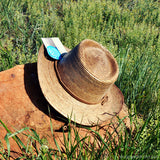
pixel 81 85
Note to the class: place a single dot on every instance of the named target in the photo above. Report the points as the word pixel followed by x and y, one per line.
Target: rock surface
pixel 23 104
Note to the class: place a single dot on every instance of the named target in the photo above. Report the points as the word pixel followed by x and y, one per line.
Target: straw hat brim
pixel 68 106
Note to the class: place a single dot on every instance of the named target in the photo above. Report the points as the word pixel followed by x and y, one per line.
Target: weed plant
pixel 129 29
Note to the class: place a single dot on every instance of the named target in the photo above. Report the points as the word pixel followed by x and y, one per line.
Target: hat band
pixel 68 90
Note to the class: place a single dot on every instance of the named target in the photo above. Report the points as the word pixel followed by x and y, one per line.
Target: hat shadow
pixel 35 94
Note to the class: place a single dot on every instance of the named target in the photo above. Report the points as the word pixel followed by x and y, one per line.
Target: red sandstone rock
pixel 23 104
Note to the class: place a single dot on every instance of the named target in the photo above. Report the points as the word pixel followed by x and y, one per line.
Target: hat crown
pixel 97 61
pixel 88 71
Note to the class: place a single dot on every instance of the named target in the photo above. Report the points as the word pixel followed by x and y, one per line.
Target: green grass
pixel 129 29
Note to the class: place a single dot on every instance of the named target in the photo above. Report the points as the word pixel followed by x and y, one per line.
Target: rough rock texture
pixel 23 104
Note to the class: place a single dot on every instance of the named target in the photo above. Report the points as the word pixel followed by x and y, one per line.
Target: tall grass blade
pixel 8 144
pixel 51 125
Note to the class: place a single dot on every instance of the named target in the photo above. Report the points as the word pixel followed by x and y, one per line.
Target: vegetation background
pixel 129 29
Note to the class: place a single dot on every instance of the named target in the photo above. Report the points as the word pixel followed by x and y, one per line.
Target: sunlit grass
pixel 128 29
